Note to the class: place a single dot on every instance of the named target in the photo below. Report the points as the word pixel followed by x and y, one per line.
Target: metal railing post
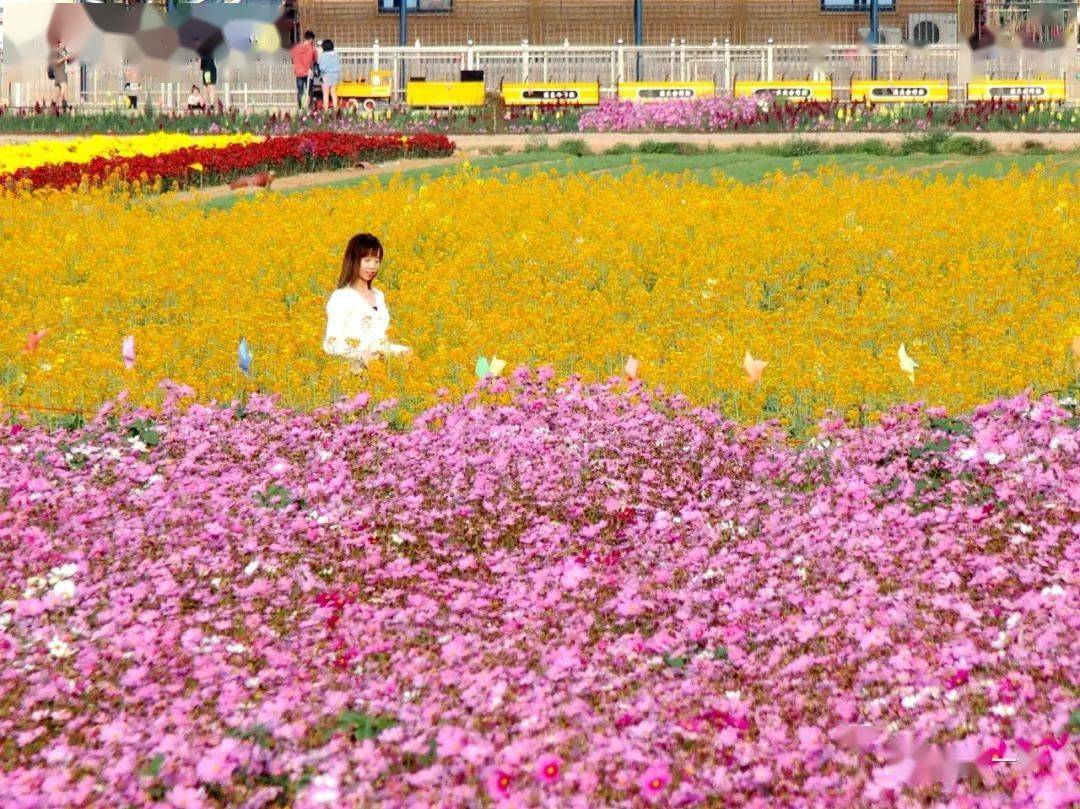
pixel 524 60
pixel 770 59
pixel 727 64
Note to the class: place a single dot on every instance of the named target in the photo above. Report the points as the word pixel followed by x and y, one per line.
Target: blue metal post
pixel 403 40
pixel 84 78
pixel 639 36
pixel 875 37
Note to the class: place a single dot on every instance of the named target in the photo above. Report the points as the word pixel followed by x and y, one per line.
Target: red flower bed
pixel 289 154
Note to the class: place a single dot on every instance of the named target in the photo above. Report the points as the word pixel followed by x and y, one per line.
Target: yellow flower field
pixel 821 276
pixel 46 151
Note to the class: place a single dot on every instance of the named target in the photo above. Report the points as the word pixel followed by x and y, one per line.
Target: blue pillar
pixel 403 41
pixel 875 37
pixel 639 35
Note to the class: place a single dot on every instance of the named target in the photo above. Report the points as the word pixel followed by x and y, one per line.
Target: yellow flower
pixel 82 150
pixel 576 271
pixel 196 166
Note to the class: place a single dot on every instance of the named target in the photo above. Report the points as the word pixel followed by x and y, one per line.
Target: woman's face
pixel 369 268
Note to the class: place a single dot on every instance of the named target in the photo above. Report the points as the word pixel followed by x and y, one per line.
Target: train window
pixel 416 6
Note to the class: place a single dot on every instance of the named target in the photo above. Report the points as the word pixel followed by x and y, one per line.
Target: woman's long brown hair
pixel 360 246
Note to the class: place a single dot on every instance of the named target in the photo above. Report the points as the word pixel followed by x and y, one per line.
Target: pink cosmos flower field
pixel 547 594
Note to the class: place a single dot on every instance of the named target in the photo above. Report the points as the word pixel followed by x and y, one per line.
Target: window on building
pixel 856 5
pixel 419 6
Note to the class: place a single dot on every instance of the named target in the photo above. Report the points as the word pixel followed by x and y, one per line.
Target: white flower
pixel 1053 592
pixel 137 444
pixel 236 648
pixel 252 566
pixel 1003 710
pixel 60 649
pixel 324 455
pixel 215 582
pixel 733 695
pixel 63 571
pixel 1013 620
pixel 994 458
pixel 802 573
pixel 64 589
pixel 1002 641
pixel 910 701
pixel 397 539
pixel 252 682
pixel 1024 528
pixel 968 453
pixel 324 789
pixel 952 696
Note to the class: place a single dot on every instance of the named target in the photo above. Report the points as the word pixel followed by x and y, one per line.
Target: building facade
pixel 546 22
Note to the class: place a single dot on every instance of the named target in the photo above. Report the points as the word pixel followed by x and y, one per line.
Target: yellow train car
pixel 900 91
pixel 647 91
pixel 1026 89
pixel 444 94
pixel 368 93
pixel 795 91
pixel 535 94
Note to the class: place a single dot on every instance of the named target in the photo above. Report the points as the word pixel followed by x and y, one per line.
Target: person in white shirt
pixel 356 314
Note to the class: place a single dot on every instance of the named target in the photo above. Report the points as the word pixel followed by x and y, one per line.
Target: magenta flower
pixel 654 781
pixel 548 768
pixel 498 783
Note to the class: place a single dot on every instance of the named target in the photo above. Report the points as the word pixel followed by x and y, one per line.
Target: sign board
pixel 665 90
pixel 788 90
pixel 900 91
pixel 531 94
pixel 444 94
pixel 1029 90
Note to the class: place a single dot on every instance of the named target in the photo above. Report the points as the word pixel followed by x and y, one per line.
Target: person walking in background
pixel 330 70
pixel 208 68
pixel 59 57
pixel 304 57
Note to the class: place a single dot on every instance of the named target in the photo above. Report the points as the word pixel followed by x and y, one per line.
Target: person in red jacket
pixel 303 60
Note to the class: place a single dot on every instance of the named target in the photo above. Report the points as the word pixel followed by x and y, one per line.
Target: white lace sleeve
pixel 350 331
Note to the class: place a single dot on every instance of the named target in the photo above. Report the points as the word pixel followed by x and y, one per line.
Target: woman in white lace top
pixel 356 314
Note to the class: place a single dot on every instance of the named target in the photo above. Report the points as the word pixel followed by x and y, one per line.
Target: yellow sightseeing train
pixel 451 94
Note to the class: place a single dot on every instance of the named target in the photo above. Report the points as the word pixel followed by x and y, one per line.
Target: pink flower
pixel 216 766
pixel 654 781
pixel 498 784
pixel 186 797
pixel 548 768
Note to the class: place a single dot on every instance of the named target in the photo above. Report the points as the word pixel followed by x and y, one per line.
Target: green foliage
pixel 278 498
pixel 575 146
pixel 143 429
pixel 359 725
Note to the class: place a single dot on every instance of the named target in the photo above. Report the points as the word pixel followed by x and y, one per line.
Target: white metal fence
pixel 270 85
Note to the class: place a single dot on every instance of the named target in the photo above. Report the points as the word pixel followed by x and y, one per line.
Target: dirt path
pixel 296 182
pixel 1003 141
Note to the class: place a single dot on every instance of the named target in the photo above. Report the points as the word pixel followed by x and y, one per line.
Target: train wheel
pixel 369 104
